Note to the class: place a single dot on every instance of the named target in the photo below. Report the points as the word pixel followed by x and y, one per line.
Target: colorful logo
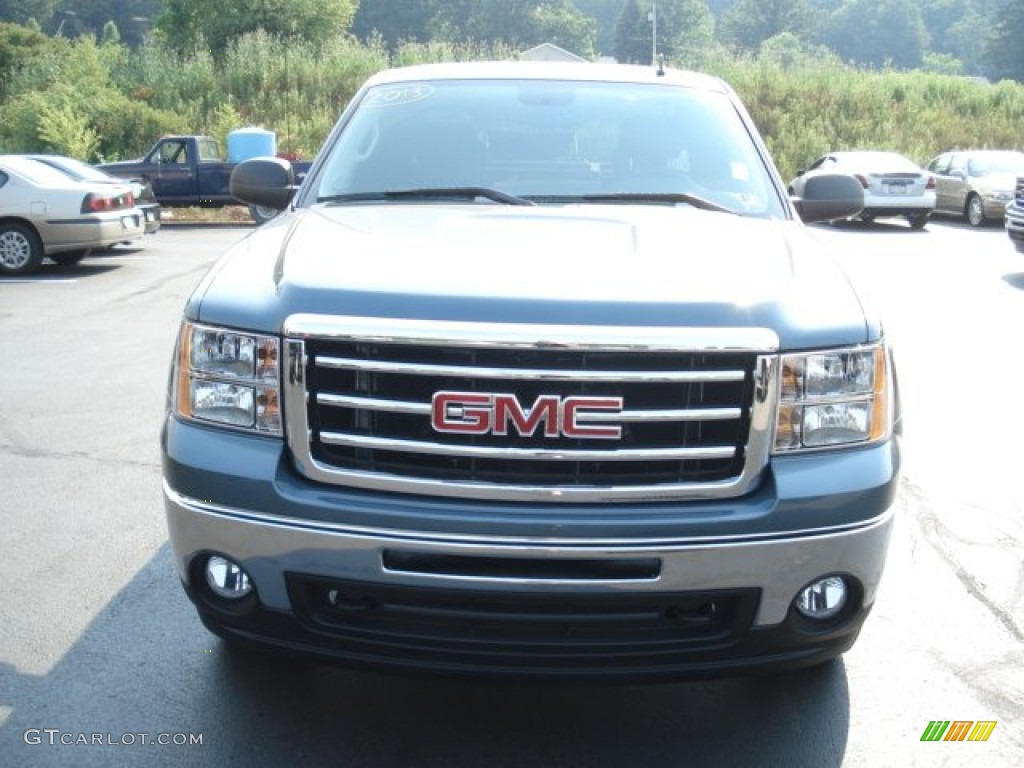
pixel 958 730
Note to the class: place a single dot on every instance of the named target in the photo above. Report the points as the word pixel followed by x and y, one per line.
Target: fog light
pixel 823 598
pixel 226 578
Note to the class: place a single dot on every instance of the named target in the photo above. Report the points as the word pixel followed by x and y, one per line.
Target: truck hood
pixel 120 164
pixel 644 265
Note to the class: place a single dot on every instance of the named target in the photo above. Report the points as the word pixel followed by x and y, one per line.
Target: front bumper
pixel 614 592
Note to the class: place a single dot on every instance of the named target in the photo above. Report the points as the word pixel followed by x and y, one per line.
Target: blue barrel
pixel 246 143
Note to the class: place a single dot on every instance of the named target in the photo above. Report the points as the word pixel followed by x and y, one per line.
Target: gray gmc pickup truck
pixel 539 374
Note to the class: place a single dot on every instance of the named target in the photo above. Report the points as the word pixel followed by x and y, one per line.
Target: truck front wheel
pixel 261 213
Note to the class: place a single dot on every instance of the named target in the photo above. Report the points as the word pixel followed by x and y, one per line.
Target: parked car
pixel 82 171
pixel 1015 217
pixel 46 213
pixel 893 184
pixel 976 184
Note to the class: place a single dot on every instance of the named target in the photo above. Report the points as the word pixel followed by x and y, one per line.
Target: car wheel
pixel 975 211
pixel 20 249
pixel 262 214
pixel 917 220
pixel 867 218
pixel 69 258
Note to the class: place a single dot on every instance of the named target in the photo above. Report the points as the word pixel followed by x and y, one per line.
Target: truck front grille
pixel 365 398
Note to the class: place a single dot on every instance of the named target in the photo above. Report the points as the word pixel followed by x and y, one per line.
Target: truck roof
pixel 544 70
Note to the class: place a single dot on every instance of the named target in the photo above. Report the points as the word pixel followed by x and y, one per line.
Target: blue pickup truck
pixel 185 171
pixel 540 373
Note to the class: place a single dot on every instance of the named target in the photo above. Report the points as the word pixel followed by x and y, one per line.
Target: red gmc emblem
pixel 475 413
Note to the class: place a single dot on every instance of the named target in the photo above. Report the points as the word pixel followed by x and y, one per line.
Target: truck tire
pixel 262 214
pixel 21 251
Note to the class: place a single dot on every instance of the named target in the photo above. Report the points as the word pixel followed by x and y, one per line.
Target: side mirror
pixel 264 181
pixel 829 197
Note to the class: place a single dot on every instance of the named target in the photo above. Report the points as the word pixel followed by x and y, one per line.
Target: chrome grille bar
pixel 525 374
pixel 530 454
pixel 423 409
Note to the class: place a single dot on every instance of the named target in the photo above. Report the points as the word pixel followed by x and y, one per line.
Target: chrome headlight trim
pixel 228 378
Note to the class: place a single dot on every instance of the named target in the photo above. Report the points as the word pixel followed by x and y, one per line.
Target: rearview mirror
pixel 265 181
pixel 830 197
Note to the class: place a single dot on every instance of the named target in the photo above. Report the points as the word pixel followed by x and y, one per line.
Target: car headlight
pixel 834 398
pixel 228 377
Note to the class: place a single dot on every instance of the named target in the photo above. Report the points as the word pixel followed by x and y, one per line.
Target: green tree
pixel 1004 52
pixel 64 131
pixel 189 24
pixel 962 41
pixel 632 36
pixel 565 27
pixel 605 14
pixel 133 18
pixel 684 28
pixel 750 22
pixel 394 20
pixel 64 98
pixel 786 51
pixel 20 11
pixel 878 33
pixel 518 23
pixel 18 45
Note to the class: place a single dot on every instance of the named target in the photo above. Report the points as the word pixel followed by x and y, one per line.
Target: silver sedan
pixel 893 184
pixel 46 214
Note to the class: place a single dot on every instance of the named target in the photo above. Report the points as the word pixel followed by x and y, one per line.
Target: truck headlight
pixel 836 397
pixel 227 377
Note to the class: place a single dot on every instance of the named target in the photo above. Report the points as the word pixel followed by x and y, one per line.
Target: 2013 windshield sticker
pixel 393 97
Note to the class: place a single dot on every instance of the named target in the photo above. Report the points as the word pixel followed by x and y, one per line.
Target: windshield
pixel 549 142
pixel 1009 163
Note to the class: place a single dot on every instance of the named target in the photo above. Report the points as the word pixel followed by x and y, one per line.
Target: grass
pixel 229 214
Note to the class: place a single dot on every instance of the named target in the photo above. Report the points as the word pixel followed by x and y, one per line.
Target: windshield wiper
pixel 430 193
pixel 658 197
